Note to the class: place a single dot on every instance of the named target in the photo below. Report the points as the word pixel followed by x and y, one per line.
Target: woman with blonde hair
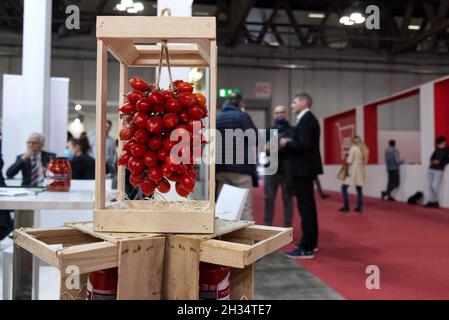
pixel 357 159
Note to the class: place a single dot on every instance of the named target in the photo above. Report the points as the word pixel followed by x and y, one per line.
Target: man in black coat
pixel 32 163
pixel 305 165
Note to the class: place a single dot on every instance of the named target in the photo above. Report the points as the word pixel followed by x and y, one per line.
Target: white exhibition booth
pixel 362 120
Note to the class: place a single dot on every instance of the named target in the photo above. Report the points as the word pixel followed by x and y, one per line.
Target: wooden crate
pixel 136 42
pixel 154 266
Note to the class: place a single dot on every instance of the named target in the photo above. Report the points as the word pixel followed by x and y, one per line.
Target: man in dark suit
pixel 32 163
pixel 305 165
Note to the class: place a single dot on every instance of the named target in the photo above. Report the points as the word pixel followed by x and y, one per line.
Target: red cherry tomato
pixel 187 182
pixel 126 133
pixel 195 113
pixel 137 178
pixel 150 159
pixel 180 190
pixel 166 171
pixel 147 186
pixel 158 108
pixel 173 105
pixel 127 108
pixel 182 169
pixel 163 185
pixel 154 125
pixel 173 177
pixel 183 117
pixel 186 99
pixel 168 144
pixel 162 154
pixel 143 105
pixel 136 165
pixel 141 136
pixel 138 83
pixel 155 97
pixel 201 99
pixel 185 87
pixel 155 143
pixel 155 173
pixel 176 83
pixel 167 94
pixel 170 120
pixel 140 119
pixel 127 145
pixel 138 150
pixel 134 96
pixel 124 158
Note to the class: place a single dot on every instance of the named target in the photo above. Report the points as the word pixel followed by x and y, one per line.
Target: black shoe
pixel 360 210
pixel 429 205
pixel 383 194
pixel 325 196
pixel 300 254
pixel 391 199
pixel 316 249
pixel 436 204
pixel 344 209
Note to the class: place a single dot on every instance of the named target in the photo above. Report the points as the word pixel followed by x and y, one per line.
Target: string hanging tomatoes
pixel 150 116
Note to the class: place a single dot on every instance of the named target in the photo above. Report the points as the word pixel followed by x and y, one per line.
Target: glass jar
pixel 58 174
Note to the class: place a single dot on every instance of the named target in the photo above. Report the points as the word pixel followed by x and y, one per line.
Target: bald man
pixel 32 163
pixel 272 182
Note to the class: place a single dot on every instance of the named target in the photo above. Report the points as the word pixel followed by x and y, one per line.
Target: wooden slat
pixel 36 247
pixel 182 258
pixel 123 85
pixel 100 150
pixel 256 232
pixel 222 226
pixel 140 272
pixel 114 237
pixel 224 253
pixel 108 220
pixel 204 50
pixel 156 27
pixel 122 49
pixel 178 61
pixel 65 236
pixel 89 257
pixel 242 283
pixel 173 49
pixel 212 119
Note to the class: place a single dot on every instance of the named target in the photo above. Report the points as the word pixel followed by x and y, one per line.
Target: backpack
pixel 417 198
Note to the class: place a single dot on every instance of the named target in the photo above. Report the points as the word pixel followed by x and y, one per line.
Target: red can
pixel 58 174
pixel 214 282
pixel 102 285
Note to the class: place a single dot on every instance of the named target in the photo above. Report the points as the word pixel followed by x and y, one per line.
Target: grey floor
pixel 280 278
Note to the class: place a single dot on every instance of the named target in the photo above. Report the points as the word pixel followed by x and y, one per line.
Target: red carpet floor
pixel 409 244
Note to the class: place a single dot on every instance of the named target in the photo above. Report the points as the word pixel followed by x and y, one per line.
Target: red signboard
pixel 338 133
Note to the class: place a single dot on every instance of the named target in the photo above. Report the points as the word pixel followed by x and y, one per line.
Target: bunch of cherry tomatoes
pixel 149 117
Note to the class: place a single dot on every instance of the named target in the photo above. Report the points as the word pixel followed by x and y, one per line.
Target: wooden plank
pixel 178 61
pixel 114 237
pixel 141 266
pixel 65 236
pixel 204 50
pixel 222 227
pixel 269 245
pixel 121 172
pixel 256 232
pixel 224 253
pixel 144 221
pixel 122 49
pixel 212 119
pixel 182 259
pixel 156 27
pixel 100 163
pixel 173 49
pixel 36 247
pixel 89 257
pixel 69 291
pixel 242 283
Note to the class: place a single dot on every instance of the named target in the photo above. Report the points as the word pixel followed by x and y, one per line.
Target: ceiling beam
pixel 407 18
pixel 299 33
pixel 239 11
pixel 268 23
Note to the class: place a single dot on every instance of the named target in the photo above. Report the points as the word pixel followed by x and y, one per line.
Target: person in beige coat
pixel 357 159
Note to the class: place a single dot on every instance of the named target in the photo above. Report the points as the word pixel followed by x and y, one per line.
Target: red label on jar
pixel 96 294
pixel 221 291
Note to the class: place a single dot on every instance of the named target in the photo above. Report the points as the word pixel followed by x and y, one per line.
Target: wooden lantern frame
pixel 136 42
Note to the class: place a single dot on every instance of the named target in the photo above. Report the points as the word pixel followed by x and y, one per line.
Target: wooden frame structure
pixel 151 265
pixel 136 42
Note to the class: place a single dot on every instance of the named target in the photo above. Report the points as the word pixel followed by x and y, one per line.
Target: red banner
pixel 338 133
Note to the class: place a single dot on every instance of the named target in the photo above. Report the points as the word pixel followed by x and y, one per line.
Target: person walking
pixel 438 161
pixel 274 181
pixel 357 159
pixel 392 162
pixel 305 164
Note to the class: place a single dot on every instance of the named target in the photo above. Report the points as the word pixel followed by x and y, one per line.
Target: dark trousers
pixel 393 181
pixel 272 183
pixel 344 191
pixel 303 187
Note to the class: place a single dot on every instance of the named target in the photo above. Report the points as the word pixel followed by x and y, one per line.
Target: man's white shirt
pixel 301 114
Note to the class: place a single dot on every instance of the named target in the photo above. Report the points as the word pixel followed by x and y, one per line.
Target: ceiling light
pixel 316 15
pixel 78 107
pixel 357 17
pixel 274 44
pixel 120 7
pixel 127 3
pixel 414 27
pixel 138 6
pixel 344 20
pixel 132 10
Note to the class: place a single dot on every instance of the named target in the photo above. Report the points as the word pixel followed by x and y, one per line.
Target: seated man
pixel 32 163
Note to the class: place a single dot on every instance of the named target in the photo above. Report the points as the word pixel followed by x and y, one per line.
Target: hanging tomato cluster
pixel 149 117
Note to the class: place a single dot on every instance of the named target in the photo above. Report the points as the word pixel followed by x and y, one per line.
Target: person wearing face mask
pixel 272 182
pixel 83 165
pixel 438 161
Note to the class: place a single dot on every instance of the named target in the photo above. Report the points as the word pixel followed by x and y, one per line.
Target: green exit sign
pixel 224 93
